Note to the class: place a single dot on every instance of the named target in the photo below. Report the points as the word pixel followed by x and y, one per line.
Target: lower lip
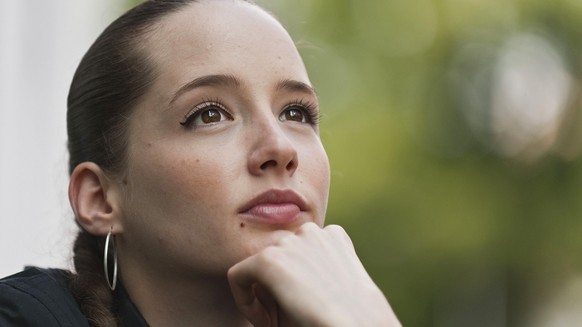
pixel 273 214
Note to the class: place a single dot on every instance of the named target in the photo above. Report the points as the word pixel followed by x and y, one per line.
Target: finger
pixel 339 233
pixel 308 228
pixel 269 304
pixel 259 268
pixel 257 313
pixel 253 300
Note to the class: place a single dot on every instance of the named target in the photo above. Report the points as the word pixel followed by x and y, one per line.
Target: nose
pixel 272 151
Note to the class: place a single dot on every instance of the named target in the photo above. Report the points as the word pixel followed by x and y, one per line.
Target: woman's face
pixel 224 150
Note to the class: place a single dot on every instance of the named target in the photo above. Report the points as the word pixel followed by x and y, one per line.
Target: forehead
pixel 221 36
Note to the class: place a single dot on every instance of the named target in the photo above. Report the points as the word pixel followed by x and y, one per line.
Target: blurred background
pixel 454 130
pixel 41 44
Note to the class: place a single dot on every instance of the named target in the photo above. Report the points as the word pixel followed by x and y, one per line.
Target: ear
pixel 94 198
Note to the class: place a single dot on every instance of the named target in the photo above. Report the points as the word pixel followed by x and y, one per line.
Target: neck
pixel 166 301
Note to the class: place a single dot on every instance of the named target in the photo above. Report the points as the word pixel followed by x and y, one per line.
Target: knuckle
pixel 339 232
pixel 309 227
pixel 231 272
pixel 336 229
pixel 270 256
pixel 286 241
pixel 271 260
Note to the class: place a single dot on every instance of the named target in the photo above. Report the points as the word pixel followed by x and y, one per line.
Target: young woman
pixel 200 184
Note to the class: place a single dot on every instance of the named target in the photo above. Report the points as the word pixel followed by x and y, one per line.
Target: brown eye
pixel 207 113
pixel 211 116
pixel 293 114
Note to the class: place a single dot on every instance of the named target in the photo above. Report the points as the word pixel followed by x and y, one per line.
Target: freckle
pixel 197 160
pixel 242 225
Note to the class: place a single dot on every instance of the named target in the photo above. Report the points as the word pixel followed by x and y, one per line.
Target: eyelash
pixel 206 104
pixel 308 108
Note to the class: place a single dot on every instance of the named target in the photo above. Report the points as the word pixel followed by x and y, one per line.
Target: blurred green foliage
pixel 456 232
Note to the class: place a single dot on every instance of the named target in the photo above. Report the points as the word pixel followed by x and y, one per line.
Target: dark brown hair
pixel 110 79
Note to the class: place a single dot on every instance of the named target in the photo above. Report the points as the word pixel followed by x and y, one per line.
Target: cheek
pixel 175 202
pixel 315 175
pixel 318 164
pixel 174 184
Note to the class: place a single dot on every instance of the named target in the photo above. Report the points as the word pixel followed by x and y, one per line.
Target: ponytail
pixel 88 285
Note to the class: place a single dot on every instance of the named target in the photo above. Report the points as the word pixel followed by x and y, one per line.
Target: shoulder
pixel 38 297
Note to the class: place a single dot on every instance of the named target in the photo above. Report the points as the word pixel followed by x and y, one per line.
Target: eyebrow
pixel 293 85
pixel 234 82
pixel 207 80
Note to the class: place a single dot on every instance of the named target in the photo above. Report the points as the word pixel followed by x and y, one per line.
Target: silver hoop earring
pixel 105 261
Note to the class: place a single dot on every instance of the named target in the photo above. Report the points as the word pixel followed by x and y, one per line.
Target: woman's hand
pixel 310 278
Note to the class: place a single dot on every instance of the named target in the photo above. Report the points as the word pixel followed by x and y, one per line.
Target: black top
pixel 40 298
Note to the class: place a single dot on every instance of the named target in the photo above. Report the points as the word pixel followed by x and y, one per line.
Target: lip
pixel 274 207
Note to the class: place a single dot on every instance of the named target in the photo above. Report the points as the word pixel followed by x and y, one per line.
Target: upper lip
pixel 275 196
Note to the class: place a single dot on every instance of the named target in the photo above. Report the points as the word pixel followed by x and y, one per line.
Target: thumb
pixel 253 301
pixel 268 303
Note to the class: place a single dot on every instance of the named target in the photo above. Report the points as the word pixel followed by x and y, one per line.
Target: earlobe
pixel 93 199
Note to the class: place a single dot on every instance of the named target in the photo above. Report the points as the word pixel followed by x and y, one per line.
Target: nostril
pixel 291 165
pixel 267 164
